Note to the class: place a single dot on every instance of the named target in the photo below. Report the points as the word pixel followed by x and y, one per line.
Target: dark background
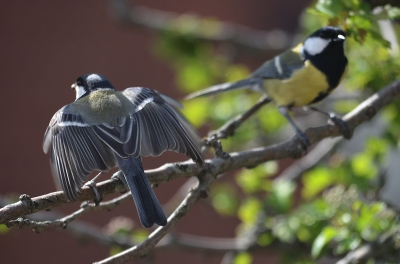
pixel 44 47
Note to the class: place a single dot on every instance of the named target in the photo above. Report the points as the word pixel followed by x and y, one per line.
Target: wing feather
pixel 150 128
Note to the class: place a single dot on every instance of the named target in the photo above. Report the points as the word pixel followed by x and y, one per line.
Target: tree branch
pixel 141 250
pixel 224 32
pixel 250 158
pixel 86 207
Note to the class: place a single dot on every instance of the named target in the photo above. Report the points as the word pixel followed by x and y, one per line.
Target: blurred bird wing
pixel 280 67
pixel 75 151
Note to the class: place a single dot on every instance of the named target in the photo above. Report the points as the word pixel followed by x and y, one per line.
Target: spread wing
pixel 280 67
pixel 75 151
pixel 151 128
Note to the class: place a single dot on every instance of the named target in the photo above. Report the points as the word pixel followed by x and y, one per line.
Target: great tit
pixel 301 76
pixel 104 128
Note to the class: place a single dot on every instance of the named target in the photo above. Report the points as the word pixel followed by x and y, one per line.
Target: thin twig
pixel 40 226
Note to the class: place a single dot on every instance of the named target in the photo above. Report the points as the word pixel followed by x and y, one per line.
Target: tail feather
pixel 147 205
pixel 219 88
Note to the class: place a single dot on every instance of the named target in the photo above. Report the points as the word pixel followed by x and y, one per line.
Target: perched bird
pixel 104 128
pixel 301 76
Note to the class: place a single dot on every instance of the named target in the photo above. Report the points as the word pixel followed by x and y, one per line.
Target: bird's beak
pixel 73 86
pixel 339 38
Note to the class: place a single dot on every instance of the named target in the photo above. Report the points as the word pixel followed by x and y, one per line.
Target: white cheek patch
pixel 315 45
pixel 79 91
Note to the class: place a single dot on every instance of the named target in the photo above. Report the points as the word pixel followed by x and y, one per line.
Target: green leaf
pixel 329 7
pixel 237 72
pixel 243 258
pixel 265 239
pixel 377 146
pixel 326 235
pixel 224 199
pixel 193 76
pixel 255 180
pixel 3 229
pixel 270 118
pixel 196 111
pixel 281 196
pixel 248 211
pixel 316 181
pixel 284 232
pixel 363 166
pixel 140 235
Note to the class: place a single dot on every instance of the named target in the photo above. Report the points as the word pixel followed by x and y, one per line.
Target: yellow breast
pixel 300 89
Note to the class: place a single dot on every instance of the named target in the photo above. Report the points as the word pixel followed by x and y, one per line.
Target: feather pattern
pixel 79 142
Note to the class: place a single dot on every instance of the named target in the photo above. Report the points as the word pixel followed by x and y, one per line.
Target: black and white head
pixel 323 38
pixel 88 83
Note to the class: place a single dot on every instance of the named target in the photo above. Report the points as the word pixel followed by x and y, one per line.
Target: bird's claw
pixel 304 140
pixel 120 176
pixel 344 128
pixel 92 185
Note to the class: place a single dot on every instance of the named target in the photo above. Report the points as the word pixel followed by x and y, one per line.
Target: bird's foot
pixel 92 185
pixel 304 140
pixel 120 176
pixel 344 128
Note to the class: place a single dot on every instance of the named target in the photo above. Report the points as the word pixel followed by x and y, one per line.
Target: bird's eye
pixel 79 82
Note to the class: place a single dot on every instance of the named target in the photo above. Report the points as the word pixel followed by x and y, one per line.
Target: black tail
pixel 146 202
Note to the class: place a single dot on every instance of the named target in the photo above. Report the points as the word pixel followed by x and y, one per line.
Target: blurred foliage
pixel 123 228
pixel 3 229
pixel 336 207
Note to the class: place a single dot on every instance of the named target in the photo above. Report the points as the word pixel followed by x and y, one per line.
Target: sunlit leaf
pixel 196 110
pixel 193 77
pixel 248 211
pixel 243 258
pixel 363 165
pixel 327 234
pixel 255 180
pixel 281 196
pixel 224 199
pixel 316 181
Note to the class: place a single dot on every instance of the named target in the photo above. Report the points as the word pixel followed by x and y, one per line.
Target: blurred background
pixel 345 200
pixel 44 47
